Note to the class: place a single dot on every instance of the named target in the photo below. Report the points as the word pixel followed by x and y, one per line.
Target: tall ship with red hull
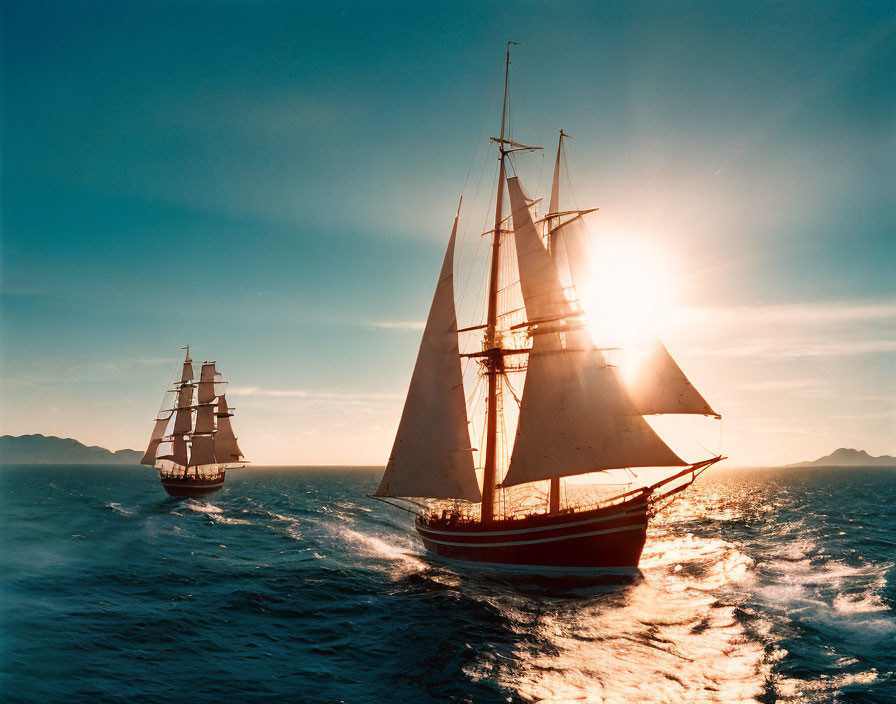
pixel 567 471
pixel 192 443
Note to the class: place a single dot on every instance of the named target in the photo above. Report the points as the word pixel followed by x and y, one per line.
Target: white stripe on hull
pixel 555 526
pixel 639 526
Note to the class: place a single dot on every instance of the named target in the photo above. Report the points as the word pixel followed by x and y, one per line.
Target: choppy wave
pixel 754 587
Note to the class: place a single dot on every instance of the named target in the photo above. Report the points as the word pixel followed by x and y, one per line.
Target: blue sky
pixel 274 181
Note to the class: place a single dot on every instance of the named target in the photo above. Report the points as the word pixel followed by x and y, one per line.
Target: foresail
pixel 659 386
pixel 432 456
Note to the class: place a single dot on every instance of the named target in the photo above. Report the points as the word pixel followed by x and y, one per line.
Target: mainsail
pixel 432 456
pixel 575 417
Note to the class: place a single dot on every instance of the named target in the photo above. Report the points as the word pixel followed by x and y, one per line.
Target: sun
pixel 627 297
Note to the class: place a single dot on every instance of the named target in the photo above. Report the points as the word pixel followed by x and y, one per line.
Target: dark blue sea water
pixel 289 585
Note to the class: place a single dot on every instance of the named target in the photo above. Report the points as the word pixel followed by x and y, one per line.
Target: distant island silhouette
pixel 44 449
pixel 847 457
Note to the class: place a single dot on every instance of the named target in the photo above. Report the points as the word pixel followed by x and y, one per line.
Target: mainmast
pixel 494 362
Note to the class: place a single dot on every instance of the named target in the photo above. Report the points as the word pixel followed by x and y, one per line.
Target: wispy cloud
pixel 789 331
pixel 254 391
pixel 873 415
pixel 775 348
pixel 835 312
pixel 397 325
pixel 779 385
pixel 801 388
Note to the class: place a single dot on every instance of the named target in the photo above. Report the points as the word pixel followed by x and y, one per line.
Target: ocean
pixel 767 585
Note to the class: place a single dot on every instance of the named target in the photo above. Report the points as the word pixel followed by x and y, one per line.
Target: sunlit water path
pixel 764 585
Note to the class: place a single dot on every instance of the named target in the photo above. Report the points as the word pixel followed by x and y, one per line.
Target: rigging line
pixel 532 122
pixel 392 503
pixel 482 295
pixel 473 160
pixel 470 215
pixel 177 365
pixel 511 389
pixel 472 268
pixel 488 110
pixel 682 430
pixel 466 225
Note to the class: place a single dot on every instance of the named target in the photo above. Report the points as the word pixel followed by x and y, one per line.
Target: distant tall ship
pixel 527 502
pixel 192 443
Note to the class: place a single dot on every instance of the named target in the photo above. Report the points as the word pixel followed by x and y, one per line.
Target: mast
pixel 550 221
pixel 494 362
pixel 554 207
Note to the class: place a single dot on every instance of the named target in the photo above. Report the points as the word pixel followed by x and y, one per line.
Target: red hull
pixel 607 538
pixel 191 487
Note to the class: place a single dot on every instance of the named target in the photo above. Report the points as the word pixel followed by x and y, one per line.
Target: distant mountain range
pixel 846 457
pixel 42 449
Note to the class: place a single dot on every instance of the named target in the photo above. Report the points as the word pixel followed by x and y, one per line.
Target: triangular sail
pixel 432 456
pixel 575 417
pixel 542 291
pixel 659 385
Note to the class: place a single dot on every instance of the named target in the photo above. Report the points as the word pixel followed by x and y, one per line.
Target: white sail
pixel 573 238
pixel 203 450
pixel 226 449
pixel 207 383
pixel 540 283
pixel 575 417
pixel 554 206
pixel 432 456
pixel 659 386
pixel 158 432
